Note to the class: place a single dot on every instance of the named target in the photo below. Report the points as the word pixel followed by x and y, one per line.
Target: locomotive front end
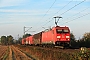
pixel 62 36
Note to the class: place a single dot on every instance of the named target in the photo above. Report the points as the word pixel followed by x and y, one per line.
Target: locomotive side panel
pixel 48 37
pixel 37 38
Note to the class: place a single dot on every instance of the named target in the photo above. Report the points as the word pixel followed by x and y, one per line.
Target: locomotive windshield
pixel 62 31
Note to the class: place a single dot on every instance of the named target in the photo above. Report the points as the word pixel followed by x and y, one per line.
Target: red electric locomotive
pixel 57 35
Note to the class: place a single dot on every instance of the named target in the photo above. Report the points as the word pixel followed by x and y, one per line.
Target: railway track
pixel 16 54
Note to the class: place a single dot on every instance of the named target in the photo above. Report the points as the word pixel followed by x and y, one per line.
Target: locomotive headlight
pixel 67 37
pixel 58 37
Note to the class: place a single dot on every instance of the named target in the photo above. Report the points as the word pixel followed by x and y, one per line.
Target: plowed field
pixel 16 54
pixel 3 50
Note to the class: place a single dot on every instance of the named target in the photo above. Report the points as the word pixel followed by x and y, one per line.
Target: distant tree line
pixel 7 40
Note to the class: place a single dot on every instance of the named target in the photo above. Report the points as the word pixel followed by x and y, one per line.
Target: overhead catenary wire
pixel 76 18
pixel 77 13
pixel 63 7
pixel 68 10
pixel 81 11
pixel 48 10
pixel 57 11
pixel 73 7
pixel 60 9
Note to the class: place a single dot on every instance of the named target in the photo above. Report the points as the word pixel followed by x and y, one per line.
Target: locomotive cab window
pixel 59 31
pixel 62 31
pixel 66 31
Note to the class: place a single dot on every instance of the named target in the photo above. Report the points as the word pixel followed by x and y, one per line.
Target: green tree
pixel 86 36
pixel 19 41
pixel 10 39
pixel 0 40
pixel 85 41
pixel 3 40
pixel 73 41
pixel 72 37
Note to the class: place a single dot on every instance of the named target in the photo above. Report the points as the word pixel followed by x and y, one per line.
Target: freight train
pixel 57 36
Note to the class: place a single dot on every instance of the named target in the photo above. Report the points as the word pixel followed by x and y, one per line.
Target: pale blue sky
pixel 15 14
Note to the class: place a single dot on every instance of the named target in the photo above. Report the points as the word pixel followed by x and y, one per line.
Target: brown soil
pixel 16 54
pixel 3 50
